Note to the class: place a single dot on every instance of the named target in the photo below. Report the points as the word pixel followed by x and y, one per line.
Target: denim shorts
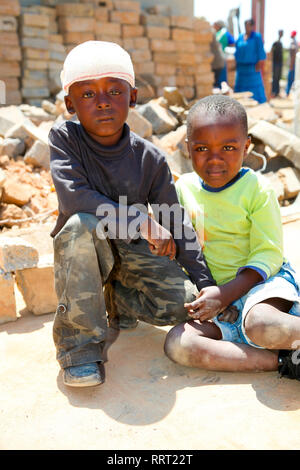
pixel 284 285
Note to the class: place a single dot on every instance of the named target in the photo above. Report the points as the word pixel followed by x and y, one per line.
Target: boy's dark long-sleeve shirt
pixel 88 177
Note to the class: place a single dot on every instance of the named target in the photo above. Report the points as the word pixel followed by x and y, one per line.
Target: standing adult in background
pixel 277 60
pixel 293 51
pixel 218 62
pixel 249 57
pixel 225 39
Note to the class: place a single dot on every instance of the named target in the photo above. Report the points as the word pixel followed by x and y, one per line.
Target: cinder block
pixel 179 34
pixel 11 7
pixel 29 31
pixel 155 20
pixel 9 38
pixel 109 29
pixel 125 17
pixel 132 31
pixel 37 288
pixel 162 45
pixel 126 5
pixel 157 32
pixel 8 311
pixel 38 54
pixel 16 253
pixel 35 64
pixel 142 55
pixel 76 9
pixel 36 43
pixel 8 23
pixel 10 53
pixel 185 22
pixel 39 21
pixel 102 14
pixel 77 38
pixel 76 24
pixel 165 69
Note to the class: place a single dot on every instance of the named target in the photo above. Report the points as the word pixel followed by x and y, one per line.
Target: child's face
pixel 102 107
pixel 217 146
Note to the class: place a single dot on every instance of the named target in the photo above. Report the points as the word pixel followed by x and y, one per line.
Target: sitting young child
pixel 100 167
pixel 238 220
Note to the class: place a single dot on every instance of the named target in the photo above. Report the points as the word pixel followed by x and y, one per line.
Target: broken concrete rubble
pixel 43 299
pixel 16 253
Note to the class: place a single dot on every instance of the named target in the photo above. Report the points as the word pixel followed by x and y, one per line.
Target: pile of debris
pixel 28 203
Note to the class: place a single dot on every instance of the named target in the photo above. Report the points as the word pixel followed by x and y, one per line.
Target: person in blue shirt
pixel 225 39
pixel 249 57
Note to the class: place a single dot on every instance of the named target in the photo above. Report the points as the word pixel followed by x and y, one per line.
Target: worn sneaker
pixel 85 375
pixel 289 364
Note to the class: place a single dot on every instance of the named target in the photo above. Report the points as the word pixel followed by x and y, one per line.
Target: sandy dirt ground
pixel 146 403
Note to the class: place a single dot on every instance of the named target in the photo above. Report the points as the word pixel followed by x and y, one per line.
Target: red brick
pixel 124 5
pixel 132 31
pixel 179 34
pixel 109 29
pixel 162 45
pixel 158 32
pixel 125 17
pixel 75 9
pixel 10 7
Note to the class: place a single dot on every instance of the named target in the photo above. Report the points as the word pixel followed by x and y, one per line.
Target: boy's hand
pixel 161 242
pixel 208 304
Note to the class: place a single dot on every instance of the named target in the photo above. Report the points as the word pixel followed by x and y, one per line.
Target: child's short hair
pixel 220 105
pixel 97 59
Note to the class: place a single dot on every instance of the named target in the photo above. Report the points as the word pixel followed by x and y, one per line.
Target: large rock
pixel 161 118
pixel 16 253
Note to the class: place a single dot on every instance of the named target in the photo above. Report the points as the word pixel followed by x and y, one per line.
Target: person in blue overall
pixel 249 57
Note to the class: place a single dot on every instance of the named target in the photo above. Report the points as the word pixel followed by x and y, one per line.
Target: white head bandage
pixel 96 59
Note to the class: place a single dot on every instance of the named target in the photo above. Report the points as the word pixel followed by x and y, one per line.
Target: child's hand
pixel 161 242
pixel 208 304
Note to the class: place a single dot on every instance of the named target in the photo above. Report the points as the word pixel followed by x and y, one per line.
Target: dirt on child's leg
pixel 196 344
pixel 269 325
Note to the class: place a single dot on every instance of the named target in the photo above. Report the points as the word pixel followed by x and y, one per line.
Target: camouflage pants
pixel 97 276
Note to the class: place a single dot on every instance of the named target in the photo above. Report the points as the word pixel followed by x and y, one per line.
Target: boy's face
pixel 217 146
pixel 102 107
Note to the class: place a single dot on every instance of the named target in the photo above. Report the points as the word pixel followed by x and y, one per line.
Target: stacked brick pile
pixel 76 23
pixel 43 53
pixel 166 50
pixel 203 74
pixel 34 31
pixel 10 52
